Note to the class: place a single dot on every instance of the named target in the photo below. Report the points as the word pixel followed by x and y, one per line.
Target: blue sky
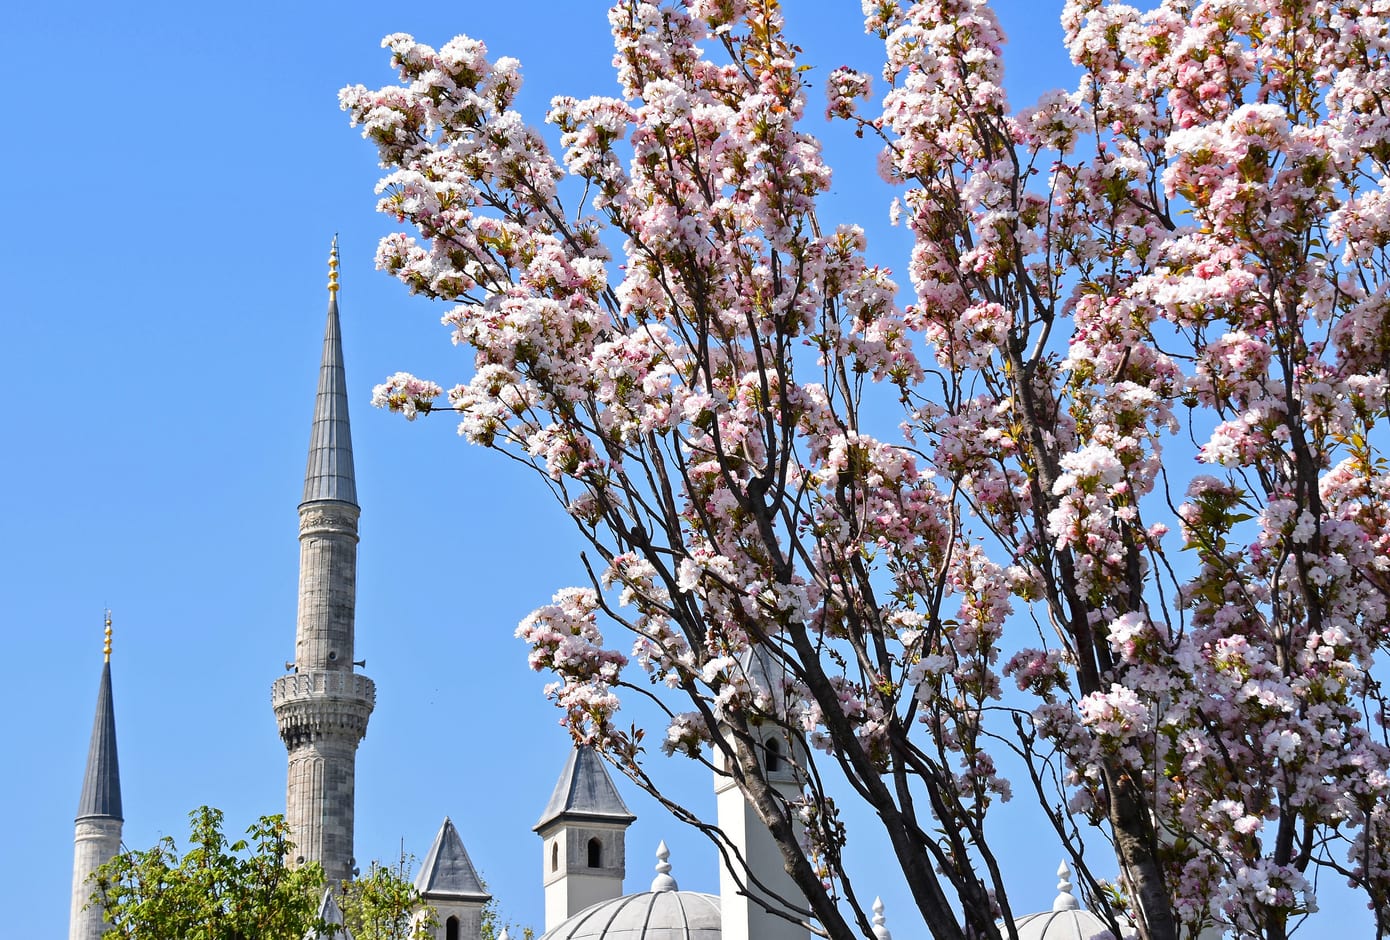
pixel 177 172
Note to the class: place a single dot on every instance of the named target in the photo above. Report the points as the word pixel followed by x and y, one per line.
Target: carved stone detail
pixel 329 518
pixel 317 705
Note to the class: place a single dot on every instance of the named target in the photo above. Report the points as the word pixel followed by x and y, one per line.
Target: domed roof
pixel 1066 920
pixel 663 913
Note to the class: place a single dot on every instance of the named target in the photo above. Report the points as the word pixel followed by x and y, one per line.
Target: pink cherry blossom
pixel 841 508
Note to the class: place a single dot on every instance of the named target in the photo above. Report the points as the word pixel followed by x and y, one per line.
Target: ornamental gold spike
pixel 333 266
pixel 106 648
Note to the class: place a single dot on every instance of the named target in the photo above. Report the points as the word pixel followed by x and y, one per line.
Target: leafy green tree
pixel 493 925
pixel 216 890
pixel 246 890
pixel 385 905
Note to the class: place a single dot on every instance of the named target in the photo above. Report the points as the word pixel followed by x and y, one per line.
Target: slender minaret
pixel 97 833
pixel 322 707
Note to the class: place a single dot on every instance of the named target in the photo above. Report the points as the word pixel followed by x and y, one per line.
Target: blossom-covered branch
pixel 1193 243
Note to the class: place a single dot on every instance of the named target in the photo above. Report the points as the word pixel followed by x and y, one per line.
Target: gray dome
pixel 663 913
pixel 1066 920
pixel 651 915
pixel 1062 925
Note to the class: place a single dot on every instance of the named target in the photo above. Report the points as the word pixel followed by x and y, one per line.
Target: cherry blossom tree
pixel 845 512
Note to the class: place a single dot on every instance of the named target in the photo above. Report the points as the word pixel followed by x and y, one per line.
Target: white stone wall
pixel 469 914
pixel 96 841
pixel 740 917
pixel 570 884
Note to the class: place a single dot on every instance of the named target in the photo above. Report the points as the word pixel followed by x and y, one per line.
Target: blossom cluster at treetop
pixel 1184 255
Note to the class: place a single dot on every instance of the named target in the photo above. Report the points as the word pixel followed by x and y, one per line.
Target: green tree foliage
pixel 493 925
pixel 215 890
pixel 385 905
pixel 245 890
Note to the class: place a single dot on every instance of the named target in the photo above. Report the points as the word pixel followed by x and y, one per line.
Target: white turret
pixel 742 917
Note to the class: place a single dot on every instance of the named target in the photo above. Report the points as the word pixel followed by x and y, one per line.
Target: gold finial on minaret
pixel 333 266
pixel 106 649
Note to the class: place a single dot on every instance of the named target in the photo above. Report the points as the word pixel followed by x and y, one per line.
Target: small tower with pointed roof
pixel 583 832
pixel 449 883
pixel 97 831
pixel 322 707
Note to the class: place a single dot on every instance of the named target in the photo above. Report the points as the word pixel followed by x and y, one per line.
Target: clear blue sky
pixel 176 172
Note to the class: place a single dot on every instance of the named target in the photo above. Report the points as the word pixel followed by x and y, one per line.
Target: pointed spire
pixel 1065 900
pixel 330 474
pixel 585 790
pixel 447 871
pixel 663 880
pixel 101 785
pixel 331 914
pixel 329 911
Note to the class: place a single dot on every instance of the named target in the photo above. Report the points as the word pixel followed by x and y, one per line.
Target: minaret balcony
pixel 314 705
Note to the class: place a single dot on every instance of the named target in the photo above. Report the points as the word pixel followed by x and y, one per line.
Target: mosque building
pixel 322 706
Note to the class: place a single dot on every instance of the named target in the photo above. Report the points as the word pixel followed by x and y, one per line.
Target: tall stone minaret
pixel 97 833
pixel 322 707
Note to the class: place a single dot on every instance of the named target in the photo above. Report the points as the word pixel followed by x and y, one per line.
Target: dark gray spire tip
pixel 329 474
pixel 101 784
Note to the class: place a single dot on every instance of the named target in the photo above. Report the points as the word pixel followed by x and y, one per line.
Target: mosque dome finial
pixel 663 880
pixel 1065 901
pixel 1067 920
pixel 880 922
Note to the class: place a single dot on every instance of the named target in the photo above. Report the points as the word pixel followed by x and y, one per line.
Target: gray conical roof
pixel 329 474
pixel 101 785
pixel 447 871
pixel 331 913
pixel 585 791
